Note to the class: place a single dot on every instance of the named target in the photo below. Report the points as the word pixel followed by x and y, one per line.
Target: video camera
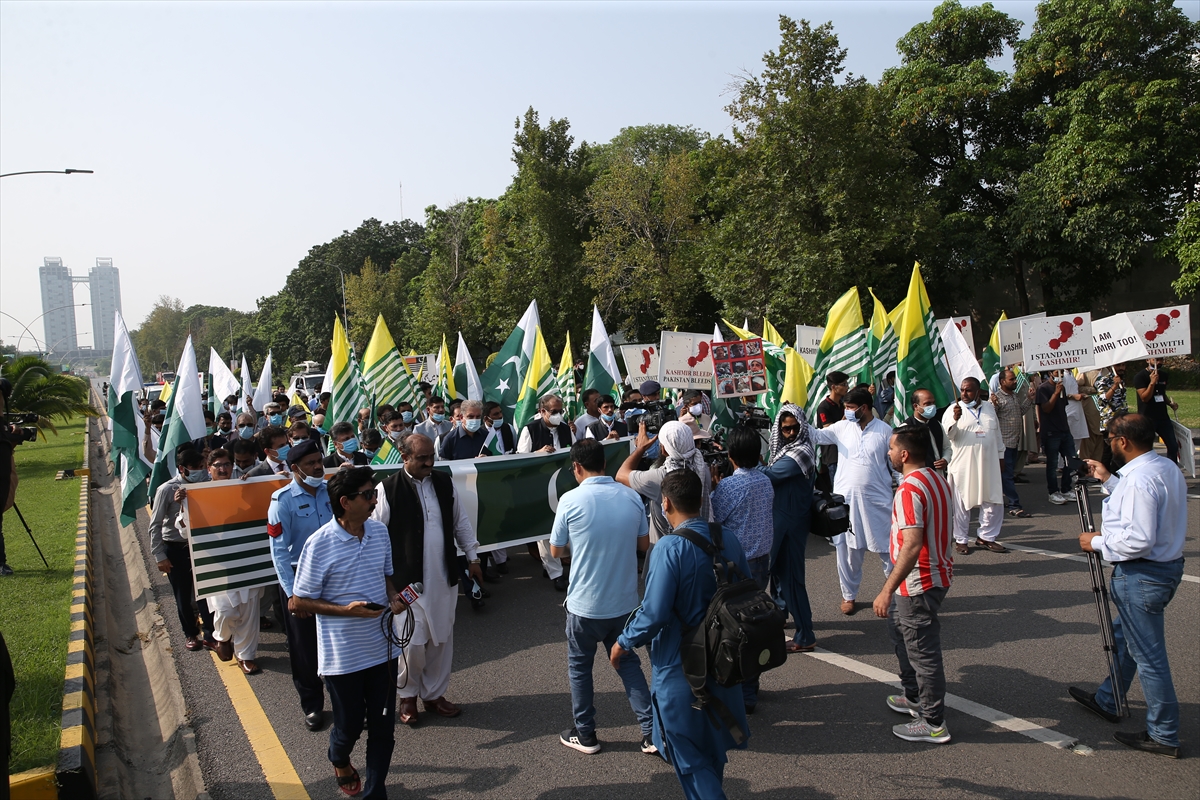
pixel 755 417
pixel 715 456
pixel 11 429
pixel 654 414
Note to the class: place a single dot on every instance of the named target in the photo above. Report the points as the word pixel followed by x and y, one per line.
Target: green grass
pixel 35 602
pixel 1189 406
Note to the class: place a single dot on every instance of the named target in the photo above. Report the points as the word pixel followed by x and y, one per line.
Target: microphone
pixel 410 593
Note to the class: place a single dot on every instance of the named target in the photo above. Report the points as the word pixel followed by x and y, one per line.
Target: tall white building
pixel 58 306
pixel 105 283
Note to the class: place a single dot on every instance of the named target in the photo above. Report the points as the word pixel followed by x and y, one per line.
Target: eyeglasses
pixel 224 465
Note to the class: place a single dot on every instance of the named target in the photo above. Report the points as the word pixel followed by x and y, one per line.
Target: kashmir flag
pixel 127 424
pixel 565 380
pixel 384 370
pixel 539 381
pixel 387 454
pixel 991 353
pixel 247 395
pixel 881 342
pixel 916 365
pixel 742 333
pixel 224 384
pixel 771 335
pixel 940 362
pixel 165 394
pixel 347 395
pixel 184 418
pixel 466 379
pixel 262 392
pixel 602 373
pixel 843 347
pixel 502 381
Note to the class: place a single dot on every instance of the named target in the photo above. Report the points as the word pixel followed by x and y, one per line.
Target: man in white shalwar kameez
pixel 864 478
pixel 976 466
pixel 427 525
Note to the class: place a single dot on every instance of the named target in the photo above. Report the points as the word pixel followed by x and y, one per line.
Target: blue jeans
pixel 369 693
pixel 1056 444
pixel 1011 498
pixel 583 634
pixel 1141 591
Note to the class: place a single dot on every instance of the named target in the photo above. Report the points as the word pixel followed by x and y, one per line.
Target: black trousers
pixel 302 648
pixel 184 589
pixel 1163 427
pixel 369 693
pixel 6 466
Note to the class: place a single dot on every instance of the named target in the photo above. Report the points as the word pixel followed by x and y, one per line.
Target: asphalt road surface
pixel 1017 629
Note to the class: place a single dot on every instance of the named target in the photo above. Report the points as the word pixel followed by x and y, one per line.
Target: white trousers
pixel 990 517
pixel 424 670
pixel 850 566
pixel 552 565
pixel 237 622
pixel 499 556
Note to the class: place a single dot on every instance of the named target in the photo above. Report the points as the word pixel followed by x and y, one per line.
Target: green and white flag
pixel 247 395
pixel 503 379
pixel 224 384
pixel 263 392
pixel 539 381
pixel 602 372
pixel 127 424
pixel 184 418
pixel 493 445
pixel 347 395
pixel 565 380
pixel 466 378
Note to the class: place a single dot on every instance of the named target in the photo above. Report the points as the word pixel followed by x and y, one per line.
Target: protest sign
pixel 1010 339
pixel 684 360
pixel 1165 331
pixel 641 362
pixel 1060 342
pixel 509 500
pixel 423 368
pixel 959 356
pixel 739 368
pixel 808 342
pixel 964 327
pixel 1115 341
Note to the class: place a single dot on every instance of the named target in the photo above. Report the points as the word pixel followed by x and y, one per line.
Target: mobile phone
pixel 374 607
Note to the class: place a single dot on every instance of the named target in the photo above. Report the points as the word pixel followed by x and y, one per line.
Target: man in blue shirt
pixel 1142 533
pixel 467 440
pixel 679 586
pixel 296 511
pixel 344 579
pixel 604 524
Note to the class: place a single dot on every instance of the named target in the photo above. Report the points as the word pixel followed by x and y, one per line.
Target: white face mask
pixel 554 420
pixel 696 410
pixel 314 481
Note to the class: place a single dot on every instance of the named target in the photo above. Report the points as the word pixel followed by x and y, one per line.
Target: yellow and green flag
pixel 384 370
pixel 348 394
pixel 918 365
pixel 539 381
pixel 444 386
pixel 843 347
pixel 565 380
pixel 991 353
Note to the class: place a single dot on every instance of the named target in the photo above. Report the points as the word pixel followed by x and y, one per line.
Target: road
pixel 1018 629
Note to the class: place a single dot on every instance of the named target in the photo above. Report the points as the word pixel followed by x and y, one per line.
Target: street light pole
pixel 35 319
pixel 49 172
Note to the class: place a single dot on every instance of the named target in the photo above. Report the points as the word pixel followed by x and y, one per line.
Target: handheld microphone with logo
pixel 410 593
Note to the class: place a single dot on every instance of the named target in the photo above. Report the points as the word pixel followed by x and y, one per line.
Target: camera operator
pixel 8 470
pixel 678 451
pixel 1142 533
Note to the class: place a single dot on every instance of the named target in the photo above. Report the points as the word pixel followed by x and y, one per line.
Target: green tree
pixel 160 338
pixel 1184 245
pixel 1117 135
pixel 39 388
pixel 812 195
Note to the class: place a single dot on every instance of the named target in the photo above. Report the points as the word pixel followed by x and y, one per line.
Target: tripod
pixel 21 517
pixel 1100 590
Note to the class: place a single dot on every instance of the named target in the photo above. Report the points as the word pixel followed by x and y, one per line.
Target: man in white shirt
pixel 1142 533
pixel 864 478
pixel 591 413
pixel 976 466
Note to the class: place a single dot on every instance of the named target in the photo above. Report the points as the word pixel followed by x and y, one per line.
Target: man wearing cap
pixel 296 511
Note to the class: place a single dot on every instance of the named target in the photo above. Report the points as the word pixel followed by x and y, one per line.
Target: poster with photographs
pixel 739 368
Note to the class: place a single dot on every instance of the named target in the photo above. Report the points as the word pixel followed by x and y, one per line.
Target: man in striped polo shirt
pixel 913 593
pixel 343 577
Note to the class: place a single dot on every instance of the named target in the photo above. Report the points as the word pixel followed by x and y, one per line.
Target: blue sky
pixel 227 139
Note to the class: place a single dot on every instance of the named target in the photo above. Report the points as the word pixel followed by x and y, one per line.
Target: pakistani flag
pixel 224 384
pixel 602 370
pixel 503 379
pixel 539 381
pixel 347 395
pixel 917 366
pixel 881 343
pixel 184 418
pixel 565 380
pixel 247 395
pixel 991 353
pixel 127 424
pixel 384 370
pixel 493 444
pixel 843 347
pixel 262 392
pixel 466 379
pixel 444 385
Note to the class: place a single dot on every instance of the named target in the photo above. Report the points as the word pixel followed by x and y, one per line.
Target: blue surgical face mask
pixel 439 417
pixel 608 417
pixel 245 431
pixel 350 446
pixel 929 411
pixel 208 431
pixel 276 419
pixel 972 403
pixel 473 424
pixel 406 416
pixel 369 453
pixel 314 481
pixel 196 476
pixel 852 415
pixel 281 453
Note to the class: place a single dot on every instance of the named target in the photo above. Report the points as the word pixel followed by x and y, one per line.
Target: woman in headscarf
pixel 792 469
pixel 677 451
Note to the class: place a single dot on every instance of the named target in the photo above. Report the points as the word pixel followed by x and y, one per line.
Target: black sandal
pixel 351 785
pixel 1019 512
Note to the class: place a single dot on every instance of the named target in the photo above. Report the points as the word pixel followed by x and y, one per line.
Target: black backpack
pixel 739 637
pixel 830 514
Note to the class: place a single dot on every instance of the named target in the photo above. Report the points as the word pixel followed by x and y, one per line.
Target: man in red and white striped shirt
pixel 913 593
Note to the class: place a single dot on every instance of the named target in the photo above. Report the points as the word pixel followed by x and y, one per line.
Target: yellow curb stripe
pixel 36 784
pixel 281 776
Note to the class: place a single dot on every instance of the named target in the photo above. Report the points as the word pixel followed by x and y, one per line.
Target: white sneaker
pixel 1058 499
pixel 901 705
pixel 921 731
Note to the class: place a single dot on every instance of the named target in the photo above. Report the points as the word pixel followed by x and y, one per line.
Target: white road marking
pixel 998 718
pixel 1070 557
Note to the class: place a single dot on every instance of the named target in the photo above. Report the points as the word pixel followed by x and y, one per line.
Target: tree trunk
pixel 1022 292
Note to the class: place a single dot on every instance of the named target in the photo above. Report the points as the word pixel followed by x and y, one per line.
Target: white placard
pixel 1115 341
pixel 960 358
pixel 685 360
pixel 1010 339
pixel 641 362
pixel 808 342
pixel 1165 331
pixel 964 327
pixel 1061 342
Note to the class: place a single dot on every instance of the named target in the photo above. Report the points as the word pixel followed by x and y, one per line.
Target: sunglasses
pixel 789 428
pixel 364 493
